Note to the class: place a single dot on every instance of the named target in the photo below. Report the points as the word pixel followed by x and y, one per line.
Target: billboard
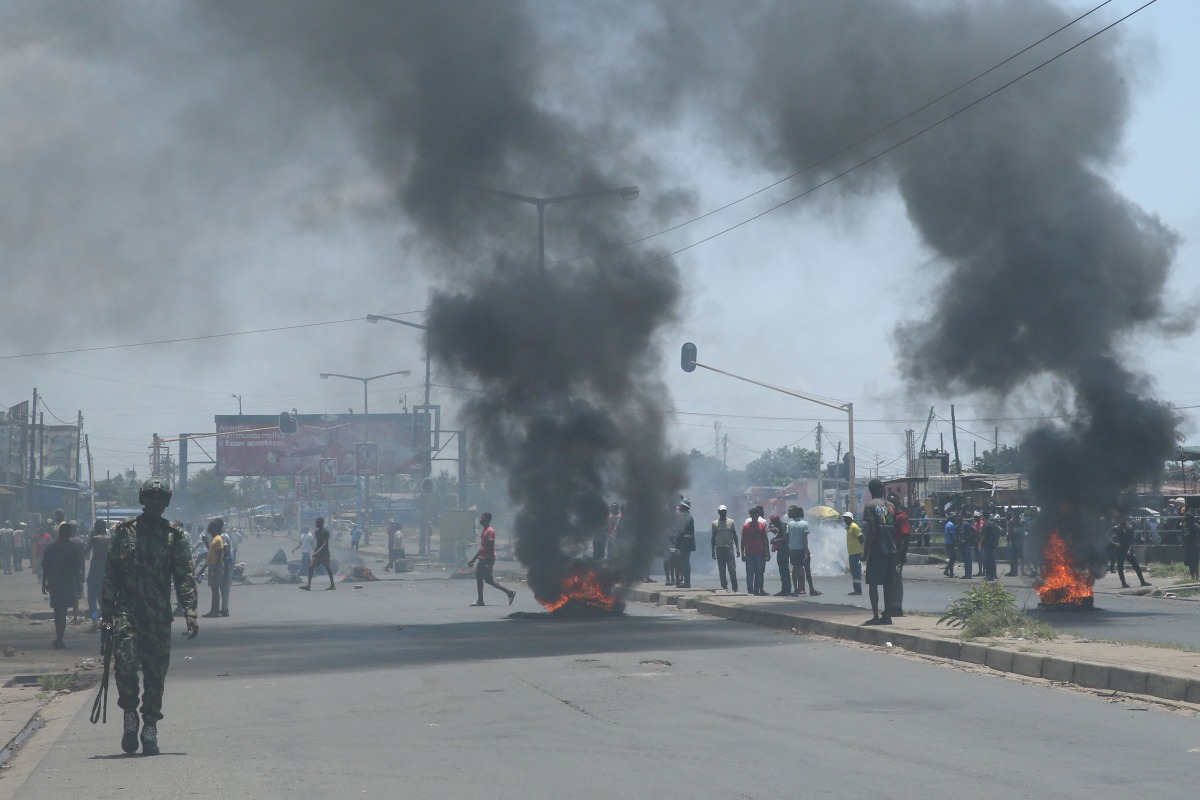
pixel 253 445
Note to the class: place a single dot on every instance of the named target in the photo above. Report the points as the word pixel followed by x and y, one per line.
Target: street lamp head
pixel 324 376
pixel 628 192
pixel 373 318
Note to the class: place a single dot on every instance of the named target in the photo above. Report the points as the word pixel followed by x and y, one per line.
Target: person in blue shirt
pixel 950 540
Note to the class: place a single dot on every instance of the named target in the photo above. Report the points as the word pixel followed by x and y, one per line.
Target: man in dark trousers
pixel 879 546
pixel 486 556
pixel 903 534
pixel 725 547
pixel 754 550
pixel 990 538
pixel 147 553
pixel 320 556
pixel 62 568
pixel 685 542
pixel 1123 534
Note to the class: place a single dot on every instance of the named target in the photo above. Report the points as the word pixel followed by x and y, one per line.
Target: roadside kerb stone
pixel 1193 691
pixel 1171 687
pixel 1091 676
pixel 904 640
pixel 1123 679
pixel 1058 669
pixel 999 659
pixel 973 653
pixel 1028 664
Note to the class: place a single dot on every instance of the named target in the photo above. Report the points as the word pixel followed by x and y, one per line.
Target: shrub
pixel 989 609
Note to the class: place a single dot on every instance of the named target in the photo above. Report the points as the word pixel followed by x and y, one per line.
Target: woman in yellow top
pixel 854 548
pixel 214 565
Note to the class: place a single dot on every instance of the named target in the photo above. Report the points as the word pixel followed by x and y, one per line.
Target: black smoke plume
pixel 1046 268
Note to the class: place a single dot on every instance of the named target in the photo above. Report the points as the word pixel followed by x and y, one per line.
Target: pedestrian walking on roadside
pixel 879 545
pixel 486 558
pixel 97 550
pixel 306 545
pixel 395 544
pixel 777 531
pixel 903 534
pixel 20 545
pixel 355 538
pixel 147 553
pixel 754 551
pixel 320 556
pixel 798 531
pixel 62 568
pixel 950 542
pixel 6 547
pixel 725 548
pixel 1190 534
pixel 990 539
pixel 966 534
pixel 214 567
pixel 854 552
pixel 1124 534
pixel 685 543
pixel 1014 538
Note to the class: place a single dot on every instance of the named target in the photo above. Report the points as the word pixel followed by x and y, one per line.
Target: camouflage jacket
pixel 143 558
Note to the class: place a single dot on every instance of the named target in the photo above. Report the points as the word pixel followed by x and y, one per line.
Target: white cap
pixel 722 508
pixel 848 515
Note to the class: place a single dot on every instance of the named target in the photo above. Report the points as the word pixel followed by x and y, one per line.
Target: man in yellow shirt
pixel 854 548
pixel 215 566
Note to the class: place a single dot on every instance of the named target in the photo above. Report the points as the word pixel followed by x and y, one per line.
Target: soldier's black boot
pixel 129 739
pixel 150 739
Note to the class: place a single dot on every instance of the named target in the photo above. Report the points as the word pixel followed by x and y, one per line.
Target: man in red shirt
pixel 754 550
pixel 486 556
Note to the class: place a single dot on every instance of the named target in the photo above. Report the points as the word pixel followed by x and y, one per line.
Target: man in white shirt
pixel 307 543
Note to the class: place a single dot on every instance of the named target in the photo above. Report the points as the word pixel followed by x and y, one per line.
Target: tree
pixel 781 467
pixel 121 491
pixel 1012 459
pixel 209 493
pixel 707 476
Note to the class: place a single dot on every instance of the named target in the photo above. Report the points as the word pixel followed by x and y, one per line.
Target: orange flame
pixel 1062 582
pixel 586 584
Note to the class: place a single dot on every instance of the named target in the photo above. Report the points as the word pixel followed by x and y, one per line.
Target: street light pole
pixel 364 510
pixel 690 363
pixel 624 192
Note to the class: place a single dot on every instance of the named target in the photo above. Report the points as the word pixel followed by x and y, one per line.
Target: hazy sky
pixel 159 185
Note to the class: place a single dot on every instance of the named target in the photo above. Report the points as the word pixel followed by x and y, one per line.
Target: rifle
pixel 100 706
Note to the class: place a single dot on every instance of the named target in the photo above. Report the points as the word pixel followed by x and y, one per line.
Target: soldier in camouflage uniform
pixel 145 554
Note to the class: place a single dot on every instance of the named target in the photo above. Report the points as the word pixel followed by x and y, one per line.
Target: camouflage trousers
pixel 144 645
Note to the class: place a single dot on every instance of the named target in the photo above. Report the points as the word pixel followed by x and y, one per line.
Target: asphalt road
pixel 399 688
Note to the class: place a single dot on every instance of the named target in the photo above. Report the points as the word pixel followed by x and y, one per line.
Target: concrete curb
pixel 1085 674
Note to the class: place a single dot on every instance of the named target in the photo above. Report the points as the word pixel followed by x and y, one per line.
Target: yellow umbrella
pixel 822 513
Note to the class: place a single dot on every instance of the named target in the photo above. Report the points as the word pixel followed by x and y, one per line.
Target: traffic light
pixel 287 423
pixel 687 359
pixel 427 486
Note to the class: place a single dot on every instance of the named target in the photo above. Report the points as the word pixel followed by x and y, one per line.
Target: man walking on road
pixel 306 545
pixel 145 555
pixel 62 567
pixel 725 548
pixel 486 556
pixel 854 550
pixel 1123 533
pixel 879 544
pixel 320 555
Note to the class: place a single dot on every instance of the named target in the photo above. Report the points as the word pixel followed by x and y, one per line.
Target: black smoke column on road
pixel 571 410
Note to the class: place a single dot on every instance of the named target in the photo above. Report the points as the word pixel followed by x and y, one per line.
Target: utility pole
pixel 154 457
pixel 910 456
pixel 996 458
pixel 716 436
pixel 33 437
pixel 954 436
pixel 91 477
pixel 820 469
pixel 725 456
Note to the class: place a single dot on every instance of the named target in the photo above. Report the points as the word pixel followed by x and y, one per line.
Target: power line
pixel 203 337
pixel 857 142
pixel 892 147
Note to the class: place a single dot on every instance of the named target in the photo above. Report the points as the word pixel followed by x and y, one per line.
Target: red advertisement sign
pixel 253 445
pixel 327 467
